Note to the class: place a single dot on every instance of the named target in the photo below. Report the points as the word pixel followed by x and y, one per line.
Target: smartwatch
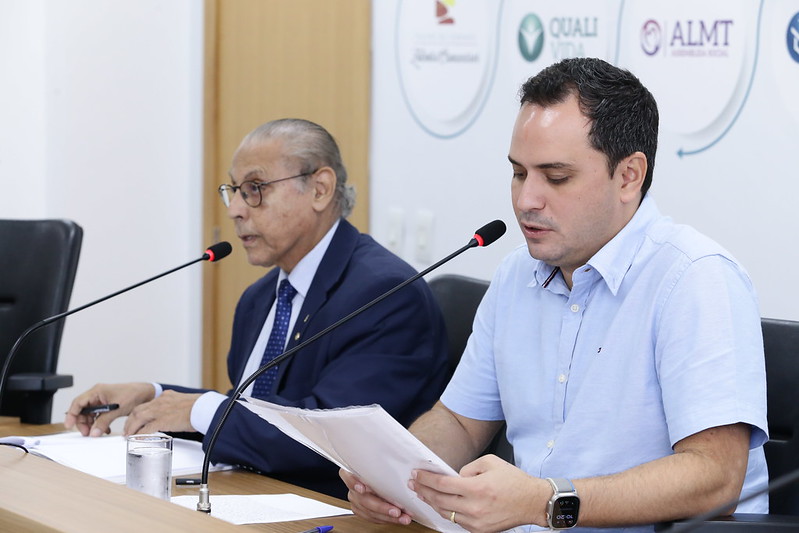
pixel 563 507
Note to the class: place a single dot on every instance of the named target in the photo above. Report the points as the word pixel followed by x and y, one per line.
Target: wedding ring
pixel 452 517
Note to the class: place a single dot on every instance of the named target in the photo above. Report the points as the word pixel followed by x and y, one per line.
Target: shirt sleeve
pixel 203 410
pixel 709 352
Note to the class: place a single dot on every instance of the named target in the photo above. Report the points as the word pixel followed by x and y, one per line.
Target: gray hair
pixel 312 147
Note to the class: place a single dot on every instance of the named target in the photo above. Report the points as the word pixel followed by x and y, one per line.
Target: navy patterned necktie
pixel 277 339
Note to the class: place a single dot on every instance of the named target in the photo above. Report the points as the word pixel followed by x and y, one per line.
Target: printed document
pixel 368 442
pixel 105 456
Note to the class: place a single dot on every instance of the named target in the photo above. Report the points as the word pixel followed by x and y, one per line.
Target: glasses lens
pixel 251 193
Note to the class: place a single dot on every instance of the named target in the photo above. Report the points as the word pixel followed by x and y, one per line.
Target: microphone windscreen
pixel 490 232
pixel 218 251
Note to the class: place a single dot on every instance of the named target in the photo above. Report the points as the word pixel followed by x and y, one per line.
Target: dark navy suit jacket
pixel 393 354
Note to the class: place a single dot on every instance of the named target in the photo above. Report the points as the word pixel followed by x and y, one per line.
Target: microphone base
pixel 204 505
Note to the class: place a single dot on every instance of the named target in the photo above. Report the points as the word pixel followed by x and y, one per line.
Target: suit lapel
pixel 327 277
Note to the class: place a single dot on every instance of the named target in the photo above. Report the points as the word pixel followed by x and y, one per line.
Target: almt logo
pixel 687 38
pixel 651 37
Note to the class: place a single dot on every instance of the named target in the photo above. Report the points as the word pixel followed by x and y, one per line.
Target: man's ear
pixel 631 172
pixel 323 182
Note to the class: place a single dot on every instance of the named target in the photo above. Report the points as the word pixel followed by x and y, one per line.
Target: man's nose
pixel 531 194
pixel 238 208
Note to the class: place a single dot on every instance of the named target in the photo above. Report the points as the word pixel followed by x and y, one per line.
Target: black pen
pixel 187 481
pixel 97 409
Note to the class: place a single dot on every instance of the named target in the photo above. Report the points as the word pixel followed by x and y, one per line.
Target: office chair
pixel 37 271
pixel 781 345
pixel 458 297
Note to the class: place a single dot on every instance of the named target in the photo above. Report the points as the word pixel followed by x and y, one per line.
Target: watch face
pixel 564 512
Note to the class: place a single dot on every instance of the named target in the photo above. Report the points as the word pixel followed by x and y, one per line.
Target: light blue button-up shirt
pixel 658 339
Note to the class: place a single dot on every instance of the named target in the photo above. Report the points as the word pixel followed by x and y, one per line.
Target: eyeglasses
pixel 251 190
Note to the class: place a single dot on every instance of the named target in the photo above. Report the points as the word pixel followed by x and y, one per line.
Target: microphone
pixel 214 253
pixel 482 237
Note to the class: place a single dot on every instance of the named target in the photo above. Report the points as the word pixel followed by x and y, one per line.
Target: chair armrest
pixel 748 522
pixel 32 382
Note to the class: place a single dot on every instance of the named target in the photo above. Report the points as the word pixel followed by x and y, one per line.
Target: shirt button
pixel 561 378
pixel 550 444
pixel 575 308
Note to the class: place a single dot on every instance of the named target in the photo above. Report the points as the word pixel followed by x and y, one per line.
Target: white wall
pixel 101 122
pixel 22 120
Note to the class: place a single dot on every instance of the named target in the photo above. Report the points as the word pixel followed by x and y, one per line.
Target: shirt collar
pixel 613 260
pixel 303 274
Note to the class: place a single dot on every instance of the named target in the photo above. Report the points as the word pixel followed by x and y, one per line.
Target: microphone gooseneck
pixel 216 252
pixel 482 237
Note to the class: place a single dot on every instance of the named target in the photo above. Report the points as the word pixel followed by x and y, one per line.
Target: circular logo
pixel 446 65
pixel 531 37
pixel 793 37
pixel 650 37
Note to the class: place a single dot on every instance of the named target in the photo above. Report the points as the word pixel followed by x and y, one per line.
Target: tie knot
pixel 286 291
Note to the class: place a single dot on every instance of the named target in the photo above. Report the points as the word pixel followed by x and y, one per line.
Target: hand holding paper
pixel 368 442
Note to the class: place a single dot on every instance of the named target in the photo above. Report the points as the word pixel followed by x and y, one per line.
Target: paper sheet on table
pixel 368 442
pixel 104 457
pixel 263 508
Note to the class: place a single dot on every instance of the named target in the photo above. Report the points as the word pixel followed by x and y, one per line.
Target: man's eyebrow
pixel 555 166
pixel 543 166
pixel 248 176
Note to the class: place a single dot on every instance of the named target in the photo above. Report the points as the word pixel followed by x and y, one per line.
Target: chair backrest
pixel 781 345
pixel 37 271
pixel 458 296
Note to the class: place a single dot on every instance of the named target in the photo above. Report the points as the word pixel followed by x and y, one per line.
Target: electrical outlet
pixel 396 233
pixel 424 236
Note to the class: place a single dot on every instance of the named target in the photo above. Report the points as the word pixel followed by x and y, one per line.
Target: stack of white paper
pixel 368 442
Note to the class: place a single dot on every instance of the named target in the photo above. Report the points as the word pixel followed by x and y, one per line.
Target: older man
pixel 288 199
pixel 624 351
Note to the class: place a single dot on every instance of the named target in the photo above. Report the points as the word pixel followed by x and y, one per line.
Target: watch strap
pixel 561 484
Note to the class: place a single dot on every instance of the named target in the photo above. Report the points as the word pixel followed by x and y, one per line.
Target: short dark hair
pixel 623 113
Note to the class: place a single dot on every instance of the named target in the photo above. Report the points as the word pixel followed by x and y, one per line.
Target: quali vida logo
pixel 531 37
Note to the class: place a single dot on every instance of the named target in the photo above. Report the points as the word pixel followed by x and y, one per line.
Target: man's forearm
pixel 694 480
pixel 706 470
pixel 457 440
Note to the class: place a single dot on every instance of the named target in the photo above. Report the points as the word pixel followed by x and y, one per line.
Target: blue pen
pixel 320 529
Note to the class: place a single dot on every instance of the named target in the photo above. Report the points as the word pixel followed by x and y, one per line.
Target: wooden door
pixel 268 59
